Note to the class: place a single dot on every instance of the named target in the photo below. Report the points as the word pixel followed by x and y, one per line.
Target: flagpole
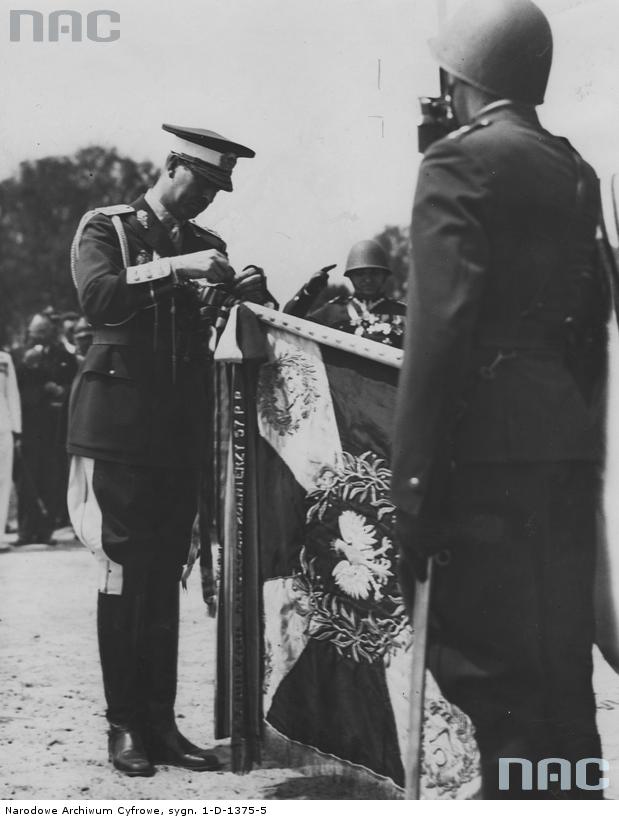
pixel 421 610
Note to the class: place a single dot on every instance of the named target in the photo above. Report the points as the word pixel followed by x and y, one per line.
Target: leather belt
pixel 519 344
pixel 113 336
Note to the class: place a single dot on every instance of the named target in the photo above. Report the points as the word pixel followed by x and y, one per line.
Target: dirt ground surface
pixel 52 726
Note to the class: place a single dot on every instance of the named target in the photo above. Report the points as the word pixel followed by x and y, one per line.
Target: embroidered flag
pixel 335 639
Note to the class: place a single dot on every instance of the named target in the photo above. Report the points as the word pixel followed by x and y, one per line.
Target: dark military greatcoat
pixel 499 429
pixel 140 397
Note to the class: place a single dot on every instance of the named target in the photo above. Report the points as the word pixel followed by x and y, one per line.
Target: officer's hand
pixel 251 285
pixel 211 265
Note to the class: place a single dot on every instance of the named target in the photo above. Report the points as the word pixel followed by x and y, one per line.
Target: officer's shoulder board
pixel 114 210
pixel 469 129
pixel 106 210
pixel 111 211
pixel 208 233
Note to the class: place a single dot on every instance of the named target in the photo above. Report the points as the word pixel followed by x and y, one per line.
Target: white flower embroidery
pixel 363 569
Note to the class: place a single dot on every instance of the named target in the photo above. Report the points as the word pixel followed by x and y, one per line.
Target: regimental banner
pixel 313 560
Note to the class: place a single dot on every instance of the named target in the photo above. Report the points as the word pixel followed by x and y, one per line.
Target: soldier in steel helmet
pixel 499 424
pixel 149 279
pixel 367 312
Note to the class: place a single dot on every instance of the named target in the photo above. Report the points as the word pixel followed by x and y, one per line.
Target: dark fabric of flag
pixel 316 596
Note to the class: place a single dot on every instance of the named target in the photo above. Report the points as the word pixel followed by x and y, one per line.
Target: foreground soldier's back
pixel 500 416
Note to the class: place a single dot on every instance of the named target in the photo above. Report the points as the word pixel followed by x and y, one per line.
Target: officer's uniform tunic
pixel 500 428
pixel 137 434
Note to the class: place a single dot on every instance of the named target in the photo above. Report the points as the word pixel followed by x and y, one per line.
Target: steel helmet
pixel 503 47
pixel 367 254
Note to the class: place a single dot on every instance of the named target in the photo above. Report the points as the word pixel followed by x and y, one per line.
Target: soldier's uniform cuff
pixel 149 272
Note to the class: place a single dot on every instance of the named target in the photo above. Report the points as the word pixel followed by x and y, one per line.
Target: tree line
pixel 41 205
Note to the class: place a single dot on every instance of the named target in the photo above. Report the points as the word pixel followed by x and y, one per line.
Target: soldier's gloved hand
pixel 318 281
pixel 211 265
pixel 419 539
pixel 251 285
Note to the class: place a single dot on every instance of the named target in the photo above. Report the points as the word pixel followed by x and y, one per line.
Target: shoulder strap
pixel 122 238
pixel 113 212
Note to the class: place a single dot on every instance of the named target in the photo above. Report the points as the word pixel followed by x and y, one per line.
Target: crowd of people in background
pixel 35 382
pixel 36 379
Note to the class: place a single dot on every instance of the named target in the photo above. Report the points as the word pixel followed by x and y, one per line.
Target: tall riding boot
pixel 163 740
pixel 120 629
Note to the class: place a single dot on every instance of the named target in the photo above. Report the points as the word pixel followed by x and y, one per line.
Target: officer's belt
pixel 113 336
pixel 132 337
pixel 185 347
pixel 506 343
pixel 533 336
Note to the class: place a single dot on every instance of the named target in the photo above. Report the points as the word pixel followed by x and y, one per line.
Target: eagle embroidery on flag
pixel 336 638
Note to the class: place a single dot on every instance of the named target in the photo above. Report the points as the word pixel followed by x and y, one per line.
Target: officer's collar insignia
pixel 227 161
pixel 142 217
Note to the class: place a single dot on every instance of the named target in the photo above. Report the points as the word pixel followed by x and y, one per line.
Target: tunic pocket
pixel 108 407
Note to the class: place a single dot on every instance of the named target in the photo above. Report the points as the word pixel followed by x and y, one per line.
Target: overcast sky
pixel 324 91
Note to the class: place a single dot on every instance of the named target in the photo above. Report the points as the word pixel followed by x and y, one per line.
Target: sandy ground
pixel 52 736
pixel 52 724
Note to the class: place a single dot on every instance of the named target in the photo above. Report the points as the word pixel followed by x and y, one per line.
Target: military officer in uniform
pixel 367 312
pixel 137 430
pixel 499 424
pixel 44 375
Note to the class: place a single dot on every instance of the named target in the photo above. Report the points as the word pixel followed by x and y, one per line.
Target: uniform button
pixel 413 482
pixel 112 372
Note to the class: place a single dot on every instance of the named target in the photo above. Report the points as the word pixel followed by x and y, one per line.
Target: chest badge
pixel 142 217
pixel 143 257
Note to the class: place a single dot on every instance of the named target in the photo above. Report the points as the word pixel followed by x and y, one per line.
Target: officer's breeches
pixel 137 521
pixel 513 624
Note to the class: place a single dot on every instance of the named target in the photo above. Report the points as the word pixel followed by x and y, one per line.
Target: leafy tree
pixel 40 207
pixel 395 240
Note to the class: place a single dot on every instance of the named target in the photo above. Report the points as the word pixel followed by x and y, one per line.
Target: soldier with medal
pixel 367 312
